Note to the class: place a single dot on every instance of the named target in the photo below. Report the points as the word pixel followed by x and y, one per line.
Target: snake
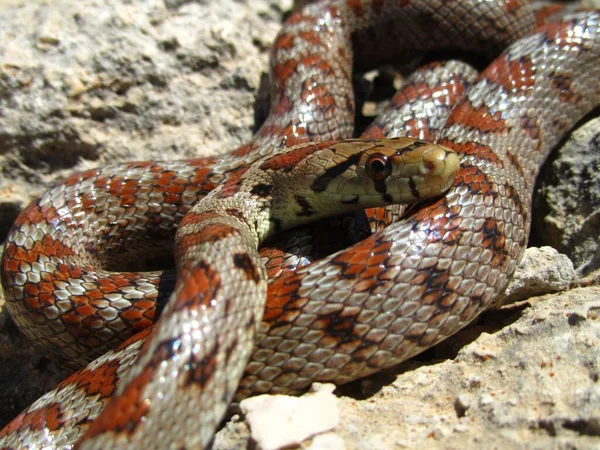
pixel 343 317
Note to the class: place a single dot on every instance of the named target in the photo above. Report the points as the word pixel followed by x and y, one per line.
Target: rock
pixel 327 441
pixel 542 271
pixel 568 201
pixel 88 83
pixel 281 421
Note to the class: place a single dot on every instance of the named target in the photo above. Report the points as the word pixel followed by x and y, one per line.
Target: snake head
pixel 384 171
pixel 317 180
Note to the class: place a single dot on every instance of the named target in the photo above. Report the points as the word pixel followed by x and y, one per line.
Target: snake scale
pixel 351 314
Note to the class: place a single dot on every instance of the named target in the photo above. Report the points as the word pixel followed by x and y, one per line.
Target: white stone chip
pixel 279 421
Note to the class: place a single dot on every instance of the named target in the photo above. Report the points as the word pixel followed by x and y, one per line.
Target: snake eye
pixel 378 167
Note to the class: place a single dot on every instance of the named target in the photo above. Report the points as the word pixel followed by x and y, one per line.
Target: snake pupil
pixel 378 167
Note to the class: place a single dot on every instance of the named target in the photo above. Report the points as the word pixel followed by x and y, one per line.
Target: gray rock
pixel 88 83
pixel 532 384
pixel 568 201
pixel 542 271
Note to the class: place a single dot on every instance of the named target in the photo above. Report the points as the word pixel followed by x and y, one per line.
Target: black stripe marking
pixel 380 186
pixel 262 190
pixel 322 181
pixel 413 188
pixel 415 145
pixel 352 201
pixel 276 223
pixel 307 209
pixel 387 198
pixel 243 262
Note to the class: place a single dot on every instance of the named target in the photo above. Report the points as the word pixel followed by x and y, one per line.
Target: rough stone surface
pixel 86 83
pixel 542 271
pixel 568 201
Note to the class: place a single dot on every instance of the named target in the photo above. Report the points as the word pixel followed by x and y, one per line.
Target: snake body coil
pixel 346 316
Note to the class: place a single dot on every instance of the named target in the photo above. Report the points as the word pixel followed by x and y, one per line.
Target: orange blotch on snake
pixel 480 119
pixel 311 37
pixel 101 380
pixel 76 179
pixel 289 160
pixel 511 74
pixel 49 417
pixel 131 315
pixel 198 285
pixel 285 41
pixel 125 412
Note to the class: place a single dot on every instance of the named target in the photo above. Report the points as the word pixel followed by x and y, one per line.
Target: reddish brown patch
pixel 285 41
pixel 207 232
pixel 79 177
pixel 373 132
pixel 478 118
pixel 563 84
pixel 281 295
pixel 88 201
pixel 101 381
pixel 202 172
pixel 318 94
pixel 50 418
pixel 357 7
pixel 560 33
pixel 283 70
pixel 233 183
pixel 311 37
pixel 235 213
pixel 34 214
pixel 512 6
pixel 198 285
pixel 530 126
pixel 280 109
pixel 514 75
pixel 242 151
pixel 542 14
pixel 412 93
pixel 125 412
pixel 514 161
pixel 420 129
pixel 287 161
pixel 475 180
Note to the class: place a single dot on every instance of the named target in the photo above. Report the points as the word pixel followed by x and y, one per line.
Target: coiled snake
pixel 346 316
